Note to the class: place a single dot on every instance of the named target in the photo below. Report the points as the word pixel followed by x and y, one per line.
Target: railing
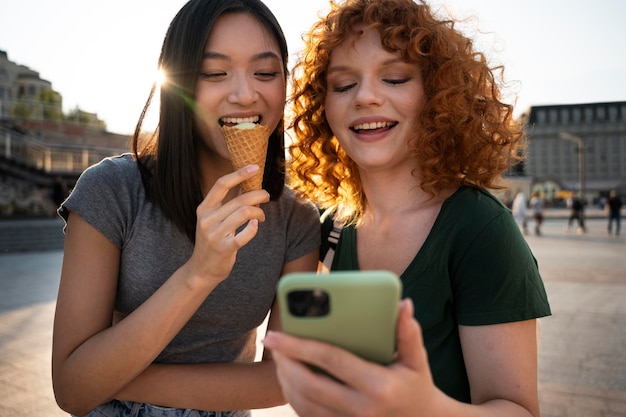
pixel 51 158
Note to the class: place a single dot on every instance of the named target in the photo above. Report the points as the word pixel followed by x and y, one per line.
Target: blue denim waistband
pixel 117 408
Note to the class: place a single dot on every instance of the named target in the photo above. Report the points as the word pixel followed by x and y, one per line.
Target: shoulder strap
pixel 333 239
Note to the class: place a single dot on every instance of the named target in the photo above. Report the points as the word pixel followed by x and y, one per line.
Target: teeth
pixel 237 120
pixel 372 125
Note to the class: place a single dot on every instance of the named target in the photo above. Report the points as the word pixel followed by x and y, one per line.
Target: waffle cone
pixel 248 146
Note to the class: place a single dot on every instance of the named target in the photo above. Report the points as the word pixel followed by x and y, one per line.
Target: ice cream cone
pixel 247 144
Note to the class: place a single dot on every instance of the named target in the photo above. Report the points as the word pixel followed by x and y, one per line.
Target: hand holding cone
pixel 247 144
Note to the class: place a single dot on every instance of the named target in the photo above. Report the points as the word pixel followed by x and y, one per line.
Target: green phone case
pixel 362 311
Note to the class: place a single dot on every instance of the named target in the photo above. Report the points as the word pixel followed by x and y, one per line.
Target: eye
pixel 397 81
pixel 213 76
pixel 266 75
pixel 343 88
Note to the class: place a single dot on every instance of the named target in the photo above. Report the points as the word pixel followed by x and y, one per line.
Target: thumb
pixel 411 351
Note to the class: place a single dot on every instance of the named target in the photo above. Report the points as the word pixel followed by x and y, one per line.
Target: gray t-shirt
pixel 110 196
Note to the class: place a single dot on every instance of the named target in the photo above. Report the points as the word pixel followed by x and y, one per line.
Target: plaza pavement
pixel 582 356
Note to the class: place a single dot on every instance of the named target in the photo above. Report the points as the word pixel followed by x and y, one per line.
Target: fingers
pixel 222 228
pixel 367 388
pixel 224 184
pixel 341 364
pixel 312 394
pixel 219 222
pixel 349 368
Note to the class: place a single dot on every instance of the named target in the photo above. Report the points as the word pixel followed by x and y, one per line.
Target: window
pixel 554 117
pixel 541 117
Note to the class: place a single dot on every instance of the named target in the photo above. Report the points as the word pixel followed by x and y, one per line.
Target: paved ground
pixel 582 357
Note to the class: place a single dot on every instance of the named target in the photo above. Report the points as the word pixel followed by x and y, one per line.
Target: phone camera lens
pixel 308 303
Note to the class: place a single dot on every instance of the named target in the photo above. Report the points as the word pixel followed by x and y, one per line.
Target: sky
pixel 102 55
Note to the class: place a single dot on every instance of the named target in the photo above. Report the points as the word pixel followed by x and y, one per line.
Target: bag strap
pixel 333 240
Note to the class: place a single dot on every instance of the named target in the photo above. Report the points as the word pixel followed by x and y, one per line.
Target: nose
pixel 367 93
pixel 243 91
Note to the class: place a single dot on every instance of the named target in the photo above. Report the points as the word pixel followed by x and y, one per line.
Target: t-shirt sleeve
pixel 303 230
pixel 497 279
pixel 102 197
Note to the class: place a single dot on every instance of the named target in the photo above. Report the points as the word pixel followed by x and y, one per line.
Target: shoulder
pixel 471 200
pixel 107 195
pixel 292 213
pixel 114 167
pixel 291 203
pixel 473 214
pixel 113 181
pixel 118 174
pixel 292 222
pixel 122 163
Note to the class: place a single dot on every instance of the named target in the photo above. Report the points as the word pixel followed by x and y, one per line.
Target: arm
pixel 502 367
pixel 501 362
pixel 91 359
pixel 225 386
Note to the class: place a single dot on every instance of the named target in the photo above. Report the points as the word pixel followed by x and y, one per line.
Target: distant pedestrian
pixel 537 204
pixel 577 213
pixel 614 207
pixel 519 209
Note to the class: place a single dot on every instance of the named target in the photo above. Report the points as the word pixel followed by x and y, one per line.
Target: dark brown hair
pixel 167 159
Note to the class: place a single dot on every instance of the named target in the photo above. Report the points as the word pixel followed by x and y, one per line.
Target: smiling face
pixel 241 79
pixel 373 101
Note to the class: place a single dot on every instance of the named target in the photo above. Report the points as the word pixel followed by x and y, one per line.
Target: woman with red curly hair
pixel 400 133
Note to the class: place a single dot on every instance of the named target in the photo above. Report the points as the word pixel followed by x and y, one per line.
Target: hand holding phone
pixel 355 310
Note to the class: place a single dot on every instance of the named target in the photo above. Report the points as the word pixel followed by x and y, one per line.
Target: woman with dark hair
pixel 169 268
pixel 400 135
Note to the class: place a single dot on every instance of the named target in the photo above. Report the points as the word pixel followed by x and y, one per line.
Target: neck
pixel 390 192
pixel 390 195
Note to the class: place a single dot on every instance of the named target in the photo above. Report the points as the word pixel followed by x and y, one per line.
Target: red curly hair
pixel 465 135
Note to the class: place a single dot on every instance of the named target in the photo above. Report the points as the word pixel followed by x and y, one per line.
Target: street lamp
pixel 581 159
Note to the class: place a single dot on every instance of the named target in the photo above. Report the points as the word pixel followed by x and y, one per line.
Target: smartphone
pixel 355 310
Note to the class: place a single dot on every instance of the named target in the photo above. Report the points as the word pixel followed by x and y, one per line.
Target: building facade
pixel 577 148
pixel 22 90
pixel 39 145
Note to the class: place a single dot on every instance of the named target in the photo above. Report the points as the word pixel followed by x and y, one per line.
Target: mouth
pixel 232 121
pixel 373 127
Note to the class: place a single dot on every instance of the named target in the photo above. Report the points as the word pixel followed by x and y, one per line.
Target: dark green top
pixel 475 268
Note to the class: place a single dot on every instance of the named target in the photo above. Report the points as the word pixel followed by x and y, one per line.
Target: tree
pixel 52 107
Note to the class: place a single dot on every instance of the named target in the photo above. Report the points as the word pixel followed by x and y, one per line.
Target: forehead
pixel 241 31
pixel 360 43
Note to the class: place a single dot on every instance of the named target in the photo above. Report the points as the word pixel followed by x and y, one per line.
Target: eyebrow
pixel 257 57
pixel 386 63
